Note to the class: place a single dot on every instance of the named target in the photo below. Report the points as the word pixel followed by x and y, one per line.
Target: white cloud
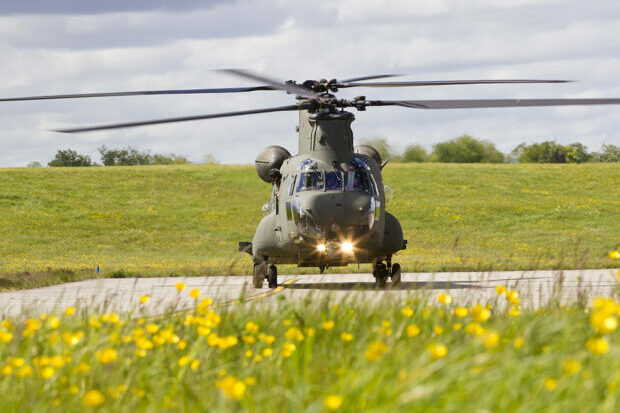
pixel 285 39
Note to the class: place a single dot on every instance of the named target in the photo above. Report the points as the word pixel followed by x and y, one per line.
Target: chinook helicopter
pixel 328 203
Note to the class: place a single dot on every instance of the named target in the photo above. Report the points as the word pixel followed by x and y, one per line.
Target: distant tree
pixel 466 149
pixel 69 157
pixel 382 146
pixel 609 153
pixel 209 159
pixel 552 152
pixel 577 153
pixel 125 156
pixel 162 159
pixel 414 153
pixel 34 164
pixel 132 156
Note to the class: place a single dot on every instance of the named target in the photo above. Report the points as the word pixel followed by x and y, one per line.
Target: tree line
pixel 467 149
pixel 118 157
pixel 464 149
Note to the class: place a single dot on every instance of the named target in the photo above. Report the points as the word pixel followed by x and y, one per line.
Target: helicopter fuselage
pixel 327 204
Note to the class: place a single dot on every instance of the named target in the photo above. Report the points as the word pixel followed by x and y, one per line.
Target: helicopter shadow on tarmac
pixel 361 286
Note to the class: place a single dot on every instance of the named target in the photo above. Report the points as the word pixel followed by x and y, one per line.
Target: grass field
pixel 61 223
pixel 318 356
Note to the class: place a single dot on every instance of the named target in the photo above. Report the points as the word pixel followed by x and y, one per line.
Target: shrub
pixel 551 152
pixel 610 153
pixel 414 153
pixel 131 156
pixel 466 149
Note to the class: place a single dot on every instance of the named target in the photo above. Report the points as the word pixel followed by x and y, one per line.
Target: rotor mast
pixel 326 135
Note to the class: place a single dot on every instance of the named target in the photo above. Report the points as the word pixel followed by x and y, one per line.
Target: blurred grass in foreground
pixel 60 223
pixel 315 356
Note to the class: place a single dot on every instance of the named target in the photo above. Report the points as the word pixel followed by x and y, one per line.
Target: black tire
pixel 259 276
pixel 381 275
pixel 272 276
pixel 395 274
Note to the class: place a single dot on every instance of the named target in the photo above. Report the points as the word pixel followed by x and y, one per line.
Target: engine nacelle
pixel 271 158
pixel 369 151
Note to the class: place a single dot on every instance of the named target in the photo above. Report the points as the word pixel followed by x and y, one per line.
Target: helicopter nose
pixel 338 211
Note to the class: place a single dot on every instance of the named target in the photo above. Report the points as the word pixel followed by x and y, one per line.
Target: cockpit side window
pixel 291 187
pixel 357 181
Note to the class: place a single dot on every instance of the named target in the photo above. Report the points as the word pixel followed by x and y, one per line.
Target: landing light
pixel 320 248
pixel 346 247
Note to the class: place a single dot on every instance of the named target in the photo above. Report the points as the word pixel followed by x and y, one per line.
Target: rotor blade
pixel 180 119
pixel 446 82
pixel 287 87
pixel 357 79
pixel 142 92
pixel 492 103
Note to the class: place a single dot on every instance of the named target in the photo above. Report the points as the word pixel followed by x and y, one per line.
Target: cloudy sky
pixel 75 46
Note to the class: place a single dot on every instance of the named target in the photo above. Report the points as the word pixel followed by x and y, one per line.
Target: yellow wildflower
pixel 332 402
pixel 327 325
pixel 107 355
pixel 180 286
pixel 461 312
pixel 226 342
pixel 287 350
pixel 438 330
pixel 184 361
pixel 73 389
pixel 144 299
pixel 513 297
pixel 500 289
pixel 491 339
pixel 25 371
pixel 571 367
pixel 475 329
pixel 412 330
pixel 514 311
pixel 47 372
pixel 194 364
pixel 6 370
pixel 597 345
pixel 70 311
pixel 194 293
pixel 385 328
pixel 182 344
pixel 294 334
pixel 615 254
pixel 5 337
pixel 375 350
pixel 407 311
pixel 444 298
pixel 53 322
pixel 267 339
pixel 151 328
pixel 251 327
pixel 346 336
pixel 267 352
pixel 438 351
pixel 93 398
pixel 248 339
pixel 480 313
pixel 231 387
pixel 457 326
pixel 309 332
pixel 550 384
pixel 250 381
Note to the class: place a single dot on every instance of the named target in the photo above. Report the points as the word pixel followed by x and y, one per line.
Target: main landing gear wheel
pixel 395 274
pixel 272 276
pixel 259 275
pixel 380 273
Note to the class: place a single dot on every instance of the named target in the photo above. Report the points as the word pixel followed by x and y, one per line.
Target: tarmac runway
pixel 122 295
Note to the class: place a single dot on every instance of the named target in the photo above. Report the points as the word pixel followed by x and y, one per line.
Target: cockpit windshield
pixel 310 181
pixel 333 181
